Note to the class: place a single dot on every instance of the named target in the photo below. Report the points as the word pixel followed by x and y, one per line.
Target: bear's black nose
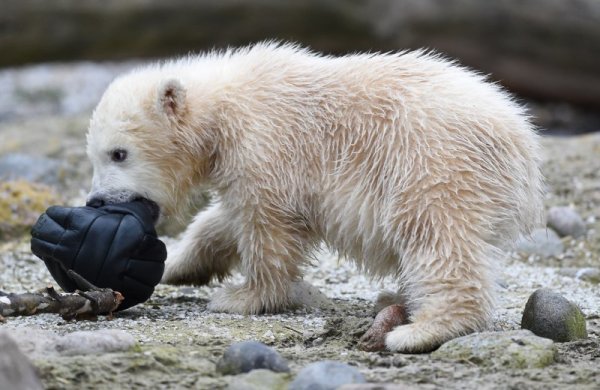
pixel 95 202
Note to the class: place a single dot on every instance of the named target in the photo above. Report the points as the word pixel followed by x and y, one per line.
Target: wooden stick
pixel 79 305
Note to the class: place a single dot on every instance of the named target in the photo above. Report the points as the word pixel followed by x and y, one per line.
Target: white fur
pixel 407 163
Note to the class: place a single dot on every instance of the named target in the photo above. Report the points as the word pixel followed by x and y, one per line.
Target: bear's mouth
pixel 152 206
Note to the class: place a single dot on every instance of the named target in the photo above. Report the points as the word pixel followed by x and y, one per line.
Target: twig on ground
pixel 86 304
pixel 292 329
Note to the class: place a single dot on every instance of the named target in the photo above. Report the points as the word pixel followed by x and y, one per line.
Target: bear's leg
pixel 272 252
pixel 206 251
pixel 449 294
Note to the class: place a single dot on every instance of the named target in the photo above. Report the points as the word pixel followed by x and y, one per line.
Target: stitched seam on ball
pixel 72 265
pixel 144 242
pixel 136 279
pixel 112 241
pixel 134 215
pixel 62 236
pixel 146 260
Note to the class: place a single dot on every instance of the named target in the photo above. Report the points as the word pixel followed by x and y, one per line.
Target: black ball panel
pixel 112 246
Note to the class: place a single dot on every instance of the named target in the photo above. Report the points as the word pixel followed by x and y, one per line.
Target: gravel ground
pixel 179 342
pixel 175 321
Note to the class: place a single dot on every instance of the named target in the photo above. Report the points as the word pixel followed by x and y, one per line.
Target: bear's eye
pixel 118 155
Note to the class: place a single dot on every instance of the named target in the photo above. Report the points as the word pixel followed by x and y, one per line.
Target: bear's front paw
pixel 244 300
pixel 179 272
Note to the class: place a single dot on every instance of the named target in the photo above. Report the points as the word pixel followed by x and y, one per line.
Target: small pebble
pixel 566 222
pixel 591 275
pixel 326 375
pixel 542 242
pixel 571 272
pixel 246 356
pixel 550 315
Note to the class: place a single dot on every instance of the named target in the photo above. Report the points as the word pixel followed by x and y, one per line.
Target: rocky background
pixel 547 51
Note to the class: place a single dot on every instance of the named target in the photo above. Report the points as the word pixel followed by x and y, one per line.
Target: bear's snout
pixel 99 199
pixel 95 202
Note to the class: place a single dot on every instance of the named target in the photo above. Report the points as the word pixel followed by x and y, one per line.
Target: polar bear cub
pixel 409 164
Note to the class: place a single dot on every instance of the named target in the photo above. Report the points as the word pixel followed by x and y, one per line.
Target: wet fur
pixel 408 164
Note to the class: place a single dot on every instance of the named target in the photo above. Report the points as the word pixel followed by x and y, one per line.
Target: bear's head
pixel 145 144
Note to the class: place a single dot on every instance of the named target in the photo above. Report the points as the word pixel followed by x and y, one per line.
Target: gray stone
pixel 94 342
pixel 326 375
pixel 512 349
pixel 34 342
pixel 379 386
pixel 542 242
pixel 591 275
pixel 307 295
pixel 250 355
pixel 259 379
pixel 37 169
pixel 16 372
pixel 549 314
pixel 571 272
pixel 566 222
pixel 378 25
pixel 42 344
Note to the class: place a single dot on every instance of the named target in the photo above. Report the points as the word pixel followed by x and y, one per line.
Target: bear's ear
pixel 171 99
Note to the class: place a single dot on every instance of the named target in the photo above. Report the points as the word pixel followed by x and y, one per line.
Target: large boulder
pixel 16 372
pixel 512 349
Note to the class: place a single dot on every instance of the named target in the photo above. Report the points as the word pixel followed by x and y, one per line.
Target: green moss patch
pixel 21 203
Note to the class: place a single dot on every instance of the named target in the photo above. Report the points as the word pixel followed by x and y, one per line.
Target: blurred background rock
pixel 541 48
pixel 58 56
